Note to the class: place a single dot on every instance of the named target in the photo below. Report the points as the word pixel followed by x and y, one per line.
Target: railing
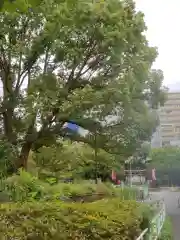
pixel 156 224
pixel 143 234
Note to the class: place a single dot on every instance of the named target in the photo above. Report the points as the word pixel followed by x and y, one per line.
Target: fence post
pixel 155 225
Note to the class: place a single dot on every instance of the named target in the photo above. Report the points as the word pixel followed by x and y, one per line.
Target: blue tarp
pixel 76 128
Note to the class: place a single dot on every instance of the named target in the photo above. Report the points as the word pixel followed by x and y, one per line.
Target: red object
pixel 113 175
pixel 118 182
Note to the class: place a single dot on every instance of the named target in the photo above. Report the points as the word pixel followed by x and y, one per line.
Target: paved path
pixel 171 201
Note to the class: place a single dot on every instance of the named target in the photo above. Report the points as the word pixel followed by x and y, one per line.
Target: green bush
pixel 105 219
pixel 57 161
pixel 25 186
pixel 126 193
pixel 167 232
pixel 85 189
pixel 7 155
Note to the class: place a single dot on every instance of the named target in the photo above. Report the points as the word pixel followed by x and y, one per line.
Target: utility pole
pixel 129 161
pixel 95 156
pixel 130 168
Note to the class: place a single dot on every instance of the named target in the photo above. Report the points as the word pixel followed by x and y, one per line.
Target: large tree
pixel 167 163
pixel 165 158
pixel 13 5
pixel 76 60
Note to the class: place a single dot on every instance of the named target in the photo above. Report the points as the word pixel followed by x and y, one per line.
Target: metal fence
pixel 156 224
pixel 143 234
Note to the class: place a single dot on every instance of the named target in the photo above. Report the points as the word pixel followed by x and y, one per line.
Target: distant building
pixel 169 116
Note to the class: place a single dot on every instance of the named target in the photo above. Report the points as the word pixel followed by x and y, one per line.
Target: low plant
pixel 24 186
pixel 126 193
pixel 105 219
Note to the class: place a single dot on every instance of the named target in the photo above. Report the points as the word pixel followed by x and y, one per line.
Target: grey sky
pixel 162 19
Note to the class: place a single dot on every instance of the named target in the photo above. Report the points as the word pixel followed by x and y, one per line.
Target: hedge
pixel 104 219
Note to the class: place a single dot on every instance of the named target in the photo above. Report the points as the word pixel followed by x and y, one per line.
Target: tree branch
pixel 71 80
pixel 46 61
pixel 20 72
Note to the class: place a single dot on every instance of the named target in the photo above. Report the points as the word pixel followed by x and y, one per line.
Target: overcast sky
pixel 162 19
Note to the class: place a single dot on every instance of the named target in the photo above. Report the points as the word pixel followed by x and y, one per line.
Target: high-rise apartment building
pixel 169 116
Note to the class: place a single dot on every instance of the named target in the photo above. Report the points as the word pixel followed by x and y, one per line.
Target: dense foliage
pixel 105 219
pixel 75 160
pixel 80 61
pixel 13 5
pixel 167 157
pixel 167 163
pixel 26 187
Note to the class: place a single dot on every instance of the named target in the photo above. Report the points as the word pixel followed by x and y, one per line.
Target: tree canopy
pixel 76 160
pixel 13 5
pixel 165 158
pixel 80 61
pixel 167 163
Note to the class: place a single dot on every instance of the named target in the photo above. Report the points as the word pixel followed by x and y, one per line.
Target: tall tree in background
pixel 167 163
pixel 164 158
pixel 76 60
pixel 74 160
pixel 13 5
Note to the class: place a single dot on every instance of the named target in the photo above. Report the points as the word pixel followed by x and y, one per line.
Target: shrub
pixel 105 219
pixel 57 160
pixel 24 186
pixel 127 193
pixel 7 155
pixel 27 187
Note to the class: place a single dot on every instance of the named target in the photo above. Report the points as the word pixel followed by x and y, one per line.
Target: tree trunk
pixel 23 158
pixel 26 147
pixel 8 102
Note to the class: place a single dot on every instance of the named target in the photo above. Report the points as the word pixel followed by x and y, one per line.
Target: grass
pixel 167 232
